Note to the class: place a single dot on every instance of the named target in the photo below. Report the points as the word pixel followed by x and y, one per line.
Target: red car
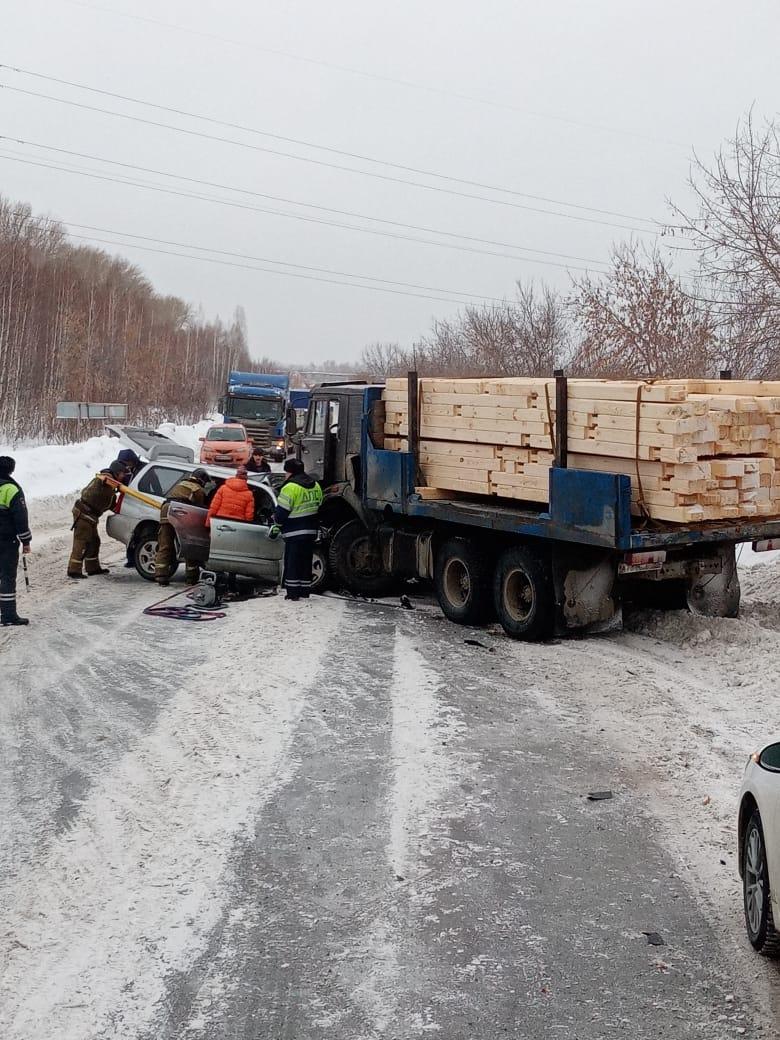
pixel 226 445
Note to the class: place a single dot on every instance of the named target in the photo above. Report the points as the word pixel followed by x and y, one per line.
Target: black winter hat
pixel 201 476
pixel 293 466
pixel 117 469
pixel 7 465
pixel 128 455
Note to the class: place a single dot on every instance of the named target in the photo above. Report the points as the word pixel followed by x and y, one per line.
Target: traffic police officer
pixel 295 517
pixel 97 497
pixel 14 528
pixel 192 490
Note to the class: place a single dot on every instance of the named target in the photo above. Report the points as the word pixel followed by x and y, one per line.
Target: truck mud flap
pixel 585 592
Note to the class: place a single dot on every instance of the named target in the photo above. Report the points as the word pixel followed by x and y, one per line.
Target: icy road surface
pixel 339 820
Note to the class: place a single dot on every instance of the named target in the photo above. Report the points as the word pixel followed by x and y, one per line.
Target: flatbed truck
pixel 539 570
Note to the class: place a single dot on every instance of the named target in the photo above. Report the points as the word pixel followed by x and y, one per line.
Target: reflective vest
pixel 298 504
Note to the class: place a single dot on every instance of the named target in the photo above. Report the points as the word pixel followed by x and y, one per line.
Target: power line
pixel 409 84
pixel 268 270
pixel 321 147
pixel 295 202
pixel 320 162
pixel 293 216
pixel 264 260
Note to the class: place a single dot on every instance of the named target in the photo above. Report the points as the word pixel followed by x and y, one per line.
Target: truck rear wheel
pixel 523 594
pixel 356 561
pixel 462 582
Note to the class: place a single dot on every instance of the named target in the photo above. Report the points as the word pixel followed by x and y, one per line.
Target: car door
pixel 189 523
pixel 245 548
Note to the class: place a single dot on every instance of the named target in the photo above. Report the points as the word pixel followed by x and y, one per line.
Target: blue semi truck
pixel 540 570
pixel 260 402
pixel 265 405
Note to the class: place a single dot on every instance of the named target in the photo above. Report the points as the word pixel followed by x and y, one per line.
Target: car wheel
pixel 523 595
pixel 356 561
pixel 319 569
pixel 759 921
pixel 144 552
pixel 462 582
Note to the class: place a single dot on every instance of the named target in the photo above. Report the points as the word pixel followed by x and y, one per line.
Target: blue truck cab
pixel 260 401
pixel 540 570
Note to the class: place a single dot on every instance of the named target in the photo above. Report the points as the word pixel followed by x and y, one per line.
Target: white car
pixel 759 848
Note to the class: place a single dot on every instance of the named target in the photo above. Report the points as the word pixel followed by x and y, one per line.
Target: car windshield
pixel 254 408
pixel 226 433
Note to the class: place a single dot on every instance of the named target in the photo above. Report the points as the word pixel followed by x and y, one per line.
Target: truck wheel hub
pixel 457 582
pixel 519 595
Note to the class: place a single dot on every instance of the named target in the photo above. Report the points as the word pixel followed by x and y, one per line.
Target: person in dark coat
pixel 133 465
pixel 258 462
pixel 295 517
pixel 14 529
pixel 191 490
pixel 96 498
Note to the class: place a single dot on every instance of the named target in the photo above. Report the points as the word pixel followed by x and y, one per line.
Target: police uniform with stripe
pixel 14 528
pixel 296 512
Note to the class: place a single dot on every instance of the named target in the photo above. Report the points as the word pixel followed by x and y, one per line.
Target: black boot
pixel 14 620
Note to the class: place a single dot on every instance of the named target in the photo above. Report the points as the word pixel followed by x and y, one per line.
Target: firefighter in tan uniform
pixel 96 498
pixel 192 490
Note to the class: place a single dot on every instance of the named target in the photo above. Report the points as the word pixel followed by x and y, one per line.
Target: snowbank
pixel 46 470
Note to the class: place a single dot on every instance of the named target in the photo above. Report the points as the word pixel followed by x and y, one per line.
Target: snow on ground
pixel 131 893
pixel 48 470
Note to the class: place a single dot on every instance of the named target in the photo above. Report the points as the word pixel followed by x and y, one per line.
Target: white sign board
pixel 90 410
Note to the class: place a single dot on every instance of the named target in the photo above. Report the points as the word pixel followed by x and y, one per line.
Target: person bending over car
pixel 95 499
pixel 192 491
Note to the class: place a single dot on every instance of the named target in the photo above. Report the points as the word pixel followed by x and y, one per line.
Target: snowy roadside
pixel 132 891
pixel 49 470
pixel 681 701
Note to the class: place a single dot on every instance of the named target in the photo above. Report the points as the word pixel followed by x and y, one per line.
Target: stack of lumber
pixel 694 449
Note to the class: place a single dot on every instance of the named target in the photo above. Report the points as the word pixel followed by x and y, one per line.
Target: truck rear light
pixel 766 544
pixel 635 562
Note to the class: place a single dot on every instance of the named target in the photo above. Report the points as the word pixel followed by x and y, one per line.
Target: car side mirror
pixel 201 439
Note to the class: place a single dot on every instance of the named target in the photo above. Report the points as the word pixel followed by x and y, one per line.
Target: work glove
pixel 274 531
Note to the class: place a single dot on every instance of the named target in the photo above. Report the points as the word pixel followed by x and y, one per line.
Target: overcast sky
pixel 595 104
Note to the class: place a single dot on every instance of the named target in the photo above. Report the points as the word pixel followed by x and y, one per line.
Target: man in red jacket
pixel 233 500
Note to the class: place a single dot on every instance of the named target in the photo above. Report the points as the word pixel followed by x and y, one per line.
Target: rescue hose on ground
pixel 186 613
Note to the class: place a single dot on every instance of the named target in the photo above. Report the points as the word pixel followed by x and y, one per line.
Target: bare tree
pixel 78 324
pixel 528 336
pixel 736 228
pixel 380 360
pixel 639 321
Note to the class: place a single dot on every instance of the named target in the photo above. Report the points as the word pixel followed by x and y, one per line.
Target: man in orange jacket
pixel 233 500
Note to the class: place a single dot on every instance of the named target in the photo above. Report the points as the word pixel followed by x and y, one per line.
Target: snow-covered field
pixel 49 470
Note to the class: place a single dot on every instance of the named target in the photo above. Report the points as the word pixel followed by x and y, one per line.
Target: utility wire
pixel 262 259
pixel 320 162
pixel 293 216
pixel 268 270
pixel 323 148
pixel 395 81
pixel 295 202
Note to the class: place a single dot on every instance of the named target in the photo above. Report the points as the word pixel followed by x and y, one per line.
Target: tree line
pixel 640 318
pixel 77 324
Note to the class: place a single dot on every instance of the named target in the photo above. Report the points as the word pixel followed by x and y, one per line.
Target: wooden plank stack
pixel 694 449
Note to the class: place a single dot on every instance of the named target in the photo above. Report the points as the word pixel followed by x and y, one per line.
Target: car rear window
pixel 226 433
pixel 158 480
